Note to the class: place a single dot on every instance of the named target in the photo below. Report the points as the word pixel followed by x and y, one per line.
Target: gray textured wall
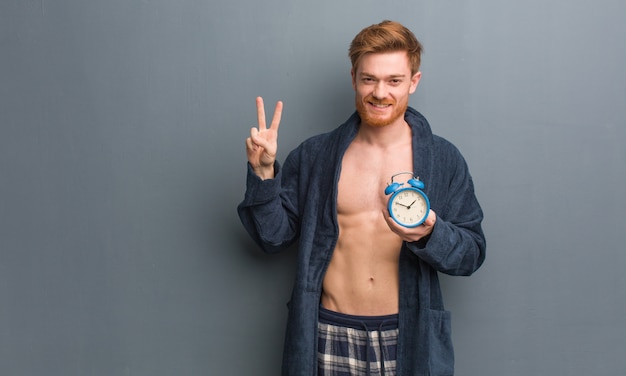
pixel 122 127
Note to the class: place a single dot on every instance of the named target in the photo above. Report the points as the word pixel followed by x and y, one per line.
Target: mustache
pixel 379 102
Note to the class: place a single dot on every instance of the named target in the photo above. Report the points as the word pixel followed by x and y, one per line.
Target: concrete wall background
pixel 122 127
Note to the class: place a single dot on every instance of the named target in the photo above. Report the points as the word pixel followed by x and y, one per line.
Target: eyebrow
pixel 390 76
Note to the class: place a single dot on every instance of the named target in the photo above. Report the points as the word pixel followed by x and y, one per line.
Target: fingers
pixel 255 141
pixel 411 234
pixel 278 113
pixel 250 141
pixel 261 145
pixel 250 146
pixel 431 219
pixel 260 111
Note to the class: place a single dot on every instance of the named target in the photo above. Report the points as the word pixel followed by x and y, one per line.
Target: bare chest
pixel 365 173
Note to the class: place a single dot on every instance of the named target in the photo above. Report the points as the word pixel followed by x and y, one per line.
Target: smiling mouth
pixel 381 106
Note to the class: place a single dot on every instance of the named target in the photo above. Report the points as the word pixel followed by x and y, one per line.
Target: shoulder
pixel 329 141
pixel 423 133
pixel 310 148
pixel 444 145
pixel 447 155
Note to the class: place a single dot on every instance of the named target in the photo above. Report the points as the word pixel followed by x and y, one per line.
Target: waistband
pixel 370 323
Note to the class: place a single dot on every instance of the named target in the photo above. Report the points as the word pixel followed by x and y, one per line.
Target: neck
pixel 386 136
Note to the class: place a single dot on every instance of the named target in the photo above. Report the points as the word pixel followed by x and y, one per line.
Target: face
pixel 383 83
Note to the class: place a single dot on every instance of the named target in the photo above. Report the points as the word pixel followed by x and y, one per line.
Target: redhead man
pixel 366 299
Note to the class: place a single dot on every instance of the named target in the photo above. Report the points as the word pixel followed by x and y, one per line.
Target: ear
pixel 415 80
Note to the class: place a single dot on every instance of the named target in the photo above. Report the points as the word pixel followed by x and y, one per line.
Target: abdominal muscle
pixel 363 275
pixel 362 278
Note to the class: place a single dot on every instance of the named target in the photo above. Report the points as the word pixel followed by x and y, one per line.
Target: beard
pixel 378 120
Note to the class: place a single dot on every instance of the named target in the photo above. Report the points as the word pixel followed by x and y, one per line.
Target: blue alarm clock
pixel 408 206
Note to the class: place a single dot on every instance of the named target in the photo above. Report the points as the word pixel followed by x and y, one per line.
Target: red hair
pixel 387 36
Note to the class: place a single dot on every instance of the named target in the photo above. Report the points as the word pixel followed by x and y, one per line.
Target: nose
pixel 380 91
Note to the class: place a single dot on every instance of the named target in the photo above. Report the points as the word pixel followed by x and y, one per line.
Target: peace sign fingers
pixel 262 144
pixel 260 109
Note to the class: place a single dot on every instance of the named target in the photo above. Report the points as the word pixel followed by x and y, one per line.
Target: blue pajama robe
pixel 300 204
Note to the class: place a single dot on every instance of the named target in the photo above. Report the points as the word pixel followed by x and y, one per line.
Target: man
pixel 366 299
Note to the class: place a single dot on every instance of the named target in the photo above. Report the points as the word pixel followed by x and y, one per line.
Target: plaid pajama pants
pixel 356 345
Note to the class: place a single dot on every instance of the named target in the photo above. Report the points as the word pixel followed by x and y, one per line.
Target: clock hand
pixel 411 204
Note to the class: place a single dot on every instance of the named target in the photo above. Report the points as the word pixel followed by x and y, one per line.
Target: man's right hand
pixel 262 144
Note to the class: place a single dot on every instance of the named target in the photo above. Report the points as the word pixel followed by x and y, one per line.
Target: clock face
pixel 409 207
